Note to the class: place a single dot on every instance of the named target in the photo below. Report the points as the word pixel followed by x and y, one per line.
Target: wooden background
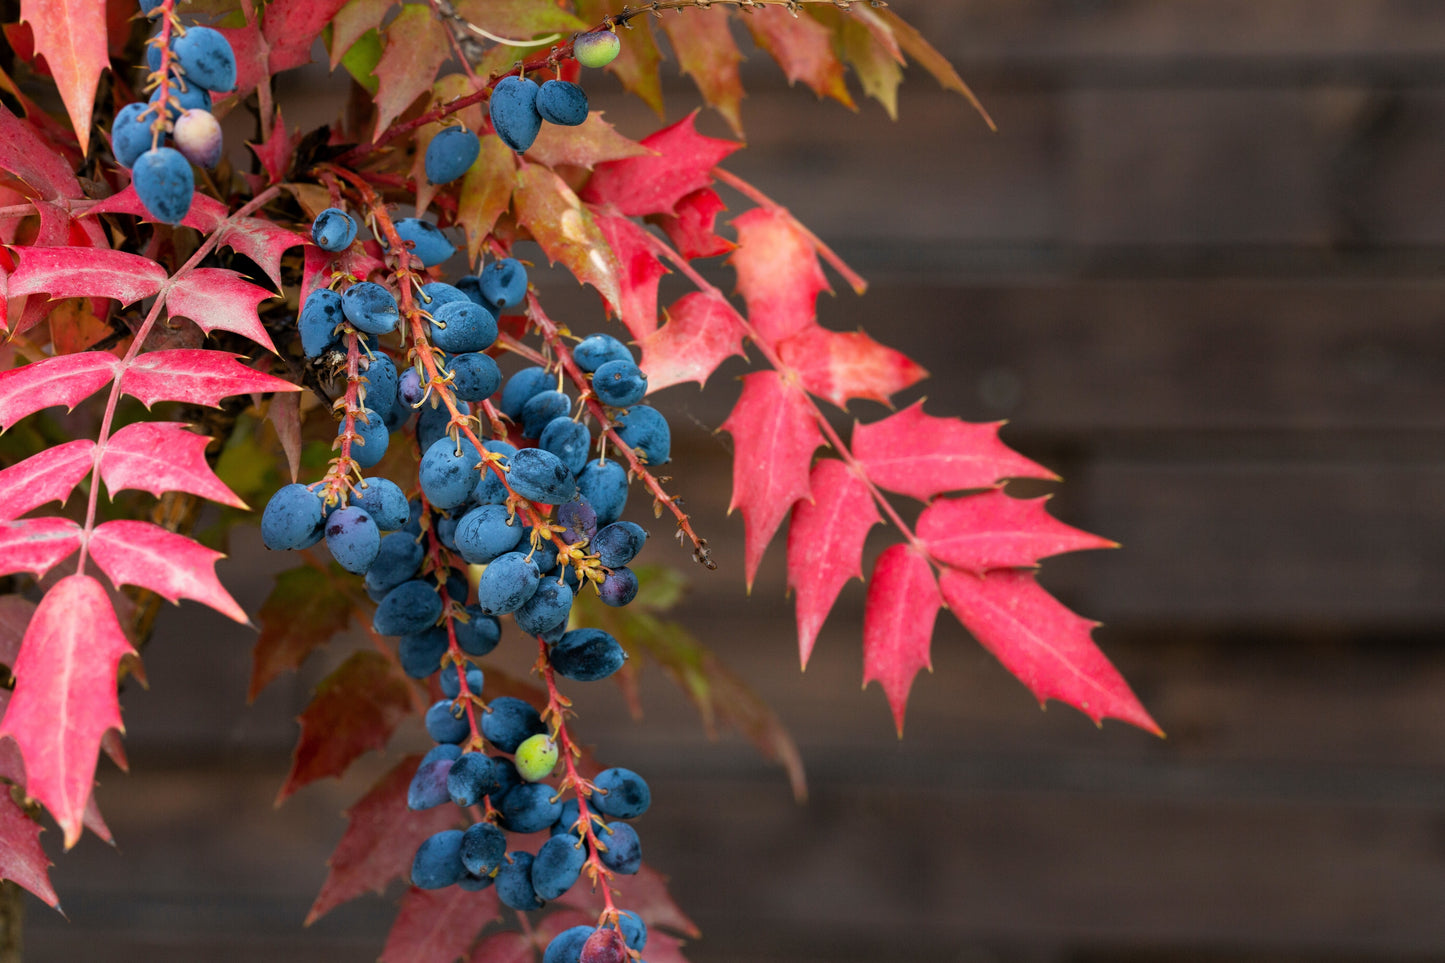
pixel 1200 268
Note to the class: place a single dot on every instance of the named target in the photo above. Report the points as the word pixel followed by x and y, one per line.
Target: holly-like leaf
pixel 276 150
pixel 262 242
pixel 354 710
pixel 869 47
pixel 71 35
pixel 438 925
pixel 681 162
pixel 486 192
pixel 778 273
pixel 26 156
pixel 706 52
pixel 774 435
pixel 932 61
pixel 903 603
pixel 353 20
pixel 842 365
pixel 518 19
pixel 638 276
pixel 284 413
pixel 220 300
pixel 36 544
pixel 825 544
pixel 1041 642
pixel 691 228
pixel 77 272
pixel 162 456
pixel 280 40
pixel 204 214
pixel 15 614
pixel 21 859
pixel 49 475
pixel 197 376
pixel 919 455
pixel 67 380
pixel 65 696
pixel 803 47
pixel 592 142
pixel 638 63
pixel 170 565
pixel 416 47
pixel 304 610
pixel 510 946
pixel 994 530
pixel 565 229
pixel 702 331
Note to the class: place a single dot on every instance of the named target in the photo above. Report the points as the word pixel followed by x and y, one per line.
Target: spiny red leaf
pixel 162 456
pixel 67 380
pixel 381 838
pixel 24 154
pixel 681 162
pixel 416 47
pixel 691 228
pixel 71 35
pixel 774 434
pixel 825 544
pixel 354 710
pixel 841 365
pixel 993 530
pixel 281 40
pixel 778 273
pixel 706 51
pixel 803 47
pixel 702 331
pixel 36 544
pixel 220 300
pixel 438 925
pixel 80 272
pixel 198 376
pixel 919 455
pixel 1041 642
pixel 65 696
pixel 638 276
pixel 592 142
pixel 903 603
pixel 276 150
pixel 50 475
pixel 304 610
pixel 171 565
pixel 262 242
pixel 284 413
pixel 21 859
pixel 566 230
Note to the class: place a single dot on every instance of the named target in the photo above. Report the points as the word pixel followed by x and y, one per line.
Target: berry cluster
pixel 532 506
pixel 186 64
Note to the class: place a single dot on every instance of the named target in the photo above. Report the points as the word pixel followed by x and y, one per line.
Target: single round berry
pixel 625 794
pixel 536 757
pixel 206 57
pixel 587 655
pixel 461 326
pixel 514 112
pixel 164 183
pixel 353 539
pixel 596 49
pixel 294 519
pixel 130 135
pixel 619 384
pixel 563 103
pixel 197 135
pixel 504 282
pixel 333 230
pixel 427 241
pixel 450 153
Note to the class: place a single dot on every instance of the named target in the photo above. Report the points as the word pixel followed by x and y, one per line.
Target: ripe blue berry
pixel 539 476
pixel 293 519
pixel 370 307
pixel 352 538
pixel 206 57
pixel 514 112
pixel 461 326
pixel 594 351
pixel 619 384
pixel 604 485
pixel 645 430
pixel 587 655
pixel 508 722
pixel 450 153
pixel 333 230
pixel 428 243
pixel 562 102
pixel 475 376
pixel 164 184
pixel 130 135
pixel 504 282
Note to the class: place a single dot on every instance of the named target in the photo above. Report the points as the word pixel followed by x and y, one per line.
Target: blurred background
pixel 1201 270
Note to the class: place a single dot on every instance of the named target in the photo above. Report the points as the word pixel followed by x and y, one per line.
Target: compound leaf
pixel 702 331
pixel 171 565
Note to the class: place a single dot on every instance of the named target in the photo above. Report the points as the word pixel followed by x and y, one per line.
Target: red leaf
pixel 691 228
pixel 509 946
pixel 15 613
pixel 774 434
pixel 438 925
pixel 381 838
pixel 354 20
pixel 71 35
pixel 276 150
pixel 903 603
pixel 644 893
pixel 707 52
pixel 639 274
pixel 553 215
pixel 25 154
pixel 803 47
pixel 993 530
pixel 171 565
pixel 21 858
pixel 205 212
pixel 50 475
pixel 355 709
pixel 198 376
pixel 682 162
pixel 65 696
pixel 839 366
pixel 36 544
pixel 304 610
pixel 1042 643
pixel 280 42
pixel 86 272
pixel 416 47
pixel 67 380
pixel 593 142
pixel 919 455
pixel 778 273
pixel 702 331
pixel 284 413
pixel 162 456
pixel 262 242
pixel 825 544
pixel 217 299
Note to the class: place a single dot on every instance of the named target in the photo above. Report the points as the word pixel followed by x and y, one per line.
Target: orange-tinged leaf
pixel 934 62
pixel 803 47
pixel 436 925
pixel 994 530
pixel 691 228
pixel 706 52
pixel 162 456
pixel 639 272
pixel 49 475
pixel 1041 642
pixel 280 40
pixel 681 162
pixel 841 365
pixel 592 142
pixel 919 455
pixel 25 155
pixel 518 19
pixel 825 544
pixel 304 610
pixel 284 413
pixel 197 376
pixel 778 273
pixel 702 331
pixel 869 47
pixel 645 894
pixel 217 299
pixel 65 696
pixel 173 566
pixel 565 229
pixel 65 380
pixel 638 63
pixel 75 327
pixel 416 47
pixel 36 544
pixel 353 20
pixel 903 603
pixel 774 433
pixel 354 710
pixel 21 859
pixel 486 192
pixel 71 35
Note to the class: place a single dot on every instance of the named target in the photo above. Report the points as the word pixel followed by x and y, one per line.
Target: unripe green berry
pixel 536 757
pixel 596 49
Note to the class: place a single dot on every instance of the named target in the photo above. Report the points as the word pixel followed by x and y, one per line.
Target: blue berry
pixel 471 286
pixel 562 102
pixel 410 607
pixel 486 532
pixel 475 376
pixel 445 724
pixel 472 777
pixel 514 112
pixel 541 409
pixel 294 519
pixel 548 608
pixel 507 722
pixel 333 230
pixel 428 243
pixel 448 472
pixel 529 808
pixel 450 153
pixel 439 293
pixel 507 583
pixel 484 847
pixel 318 320
pixel 604 485
pixel 178 100
pixel 624 850
pixel 385 502
pixel 539 476
pixel 428 788
pixel 374 438
pixel 521 387
pixel 618 543
pixel 596 350
pixel 438 861
pixel 569 440
pixel 380 374
pixel 130 135
pixel 397 560
pixel 353 539
pixel 625 794
pixel 459 326
pixel 421 652
pixel 164 183
pixel 206 57
pixel 451 682
pixel 645 431
pixel 587 655
pixel 504 282
pixel 431 426
pixel 557 866
pixel 489 490
pixel 514 883
pixel 619 384
pixel 370 307
pixel 634 931
pixel 480 634
pixel 619 587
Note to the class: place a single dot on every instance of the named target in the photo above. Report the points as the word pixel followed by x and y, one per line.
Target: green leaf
pixel 305 609
pixel 361 58
pixel 519 19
